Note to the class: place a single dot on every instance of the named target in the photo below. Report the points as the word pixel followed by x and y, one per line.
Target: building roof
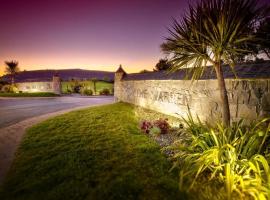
pixel 256 70
pixel 120 70
pixel 65 75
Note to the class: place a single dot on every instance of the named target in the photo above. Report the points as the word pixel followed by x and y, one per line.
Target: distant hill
pixel 65 75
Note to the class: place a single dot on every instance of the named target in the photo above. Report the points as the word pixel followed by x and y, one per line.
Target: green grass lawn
pixel 100 85
pixel 34 94
pixel 96 153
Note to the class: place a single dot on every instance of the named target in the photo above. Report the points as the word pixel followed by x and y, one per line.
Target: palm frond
pixel 213 31
pixel 12 67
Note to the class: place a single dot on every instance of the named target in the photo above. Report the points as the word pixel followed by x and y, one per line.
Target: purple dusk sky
pixel 89 34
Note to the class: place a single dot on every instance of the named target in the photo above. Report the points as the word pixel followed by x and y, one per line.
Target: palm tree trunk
pixel 223 95
pixel 12 80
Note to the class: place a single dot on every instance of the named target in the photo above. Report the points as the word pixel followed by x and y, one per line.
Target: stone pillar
pixel 56 84
pixel 118 76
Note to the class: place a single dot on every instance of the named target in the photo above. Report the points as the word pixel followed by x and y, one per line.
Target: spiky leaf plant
pixel 235 156
pixel 12 68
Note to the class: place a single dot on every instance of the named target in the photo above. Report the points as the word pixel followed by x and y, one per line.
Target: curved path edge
pixel 11 136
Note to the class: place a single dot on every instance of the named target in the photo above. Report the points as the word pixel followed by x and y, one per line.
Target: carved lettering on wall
pixel 180 97
pixel 245 97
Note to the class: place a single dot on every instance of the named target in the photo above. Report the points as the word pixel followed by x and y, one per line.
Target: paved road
pixel 14 110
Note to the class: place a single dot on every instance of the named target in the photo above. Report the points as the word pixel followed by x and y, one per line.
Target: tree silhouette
pixel 144 71
pixel 11 69
pixel 264 34
pixel 162 64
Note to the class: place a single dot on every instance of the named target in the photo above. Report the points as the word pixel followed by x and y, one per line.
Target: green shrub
pixel 155 131
pixel 68 91
pixel 235 156
pixel 9 89
pixel 160 126
pixel 163 125
pixel 104 91
pixel 77 89
pixel 87 92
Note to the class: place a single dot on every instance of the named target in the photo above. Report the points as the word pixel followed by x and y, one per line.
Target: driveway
pixel 18 114
pixel 14 110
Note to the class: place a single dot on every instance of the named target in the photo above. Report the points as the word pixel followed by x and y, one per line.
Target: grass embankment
pixel 100 85
pixel 97 153
pixel 34 94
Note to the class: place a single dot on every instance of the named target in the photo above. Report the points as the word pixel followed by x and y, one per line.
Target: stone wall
pixel 53 86
pixel 35 87
pixel 248 98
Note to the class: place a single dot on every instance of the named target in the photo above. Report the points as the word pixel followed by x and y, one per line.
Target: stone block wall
pixel 53 86
pixel 248 98
pixel 35 87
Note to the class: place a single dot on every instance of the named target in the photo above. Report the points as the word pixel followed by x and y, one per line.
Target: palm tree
pixel 12 68
pixel 213 32
pixel 162 64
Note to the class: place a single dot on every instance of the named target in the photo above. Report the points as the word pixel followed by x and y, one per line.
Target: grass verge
pixel 96 153
pixel 34 94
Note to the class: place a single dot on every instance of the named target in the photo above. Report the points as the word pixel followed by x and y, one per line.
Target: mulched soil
pixel 169 142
